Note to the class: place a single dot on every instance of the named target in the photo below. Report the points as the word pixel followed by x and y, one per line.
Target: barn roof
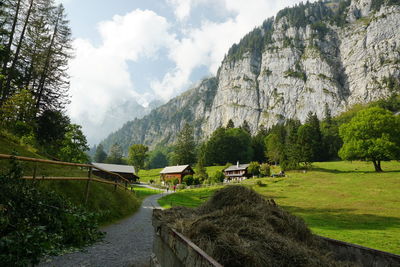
pixel 115 167
pixel 237 167
pixel 174 169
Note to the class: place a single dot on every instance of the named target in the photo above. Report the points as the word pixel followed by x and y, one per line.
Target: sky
pixel 129 52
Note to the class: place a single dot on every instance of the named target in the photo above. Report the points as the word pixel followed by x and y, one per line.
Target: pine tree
pixel 230 124
pixel 185 146
pixel 100 155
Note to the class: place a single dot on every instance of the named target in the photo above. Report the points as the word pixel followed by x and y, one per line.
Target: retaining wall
pixel 171 248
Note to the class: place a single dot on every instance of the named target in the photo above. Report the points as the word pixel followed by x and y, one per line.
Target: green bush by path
pixel 111 205
pixel 347 201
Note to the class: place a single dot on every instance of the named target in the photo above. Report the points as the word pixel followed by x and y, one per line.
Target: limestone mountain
pixel 337 53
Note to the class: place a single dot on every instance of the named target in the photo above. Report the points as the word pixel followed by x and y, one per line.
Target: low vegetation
pixel 347 201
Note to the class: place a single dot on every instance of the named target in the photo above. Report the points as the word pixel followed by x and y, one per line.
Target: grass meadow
pixel 342 200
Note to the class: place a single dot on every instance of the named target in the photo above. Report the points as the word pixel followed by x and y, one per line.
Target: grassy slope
pixel 112 205
pixel 341 200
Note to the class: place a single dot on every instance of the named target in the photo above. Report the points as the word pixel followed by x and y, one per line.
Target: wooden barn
pixel 173 172
pixel 237 172
pixel 126 171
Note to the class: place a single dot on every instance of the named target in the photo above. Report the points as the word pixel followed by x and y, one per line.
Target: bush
pixel 254 168
pixel 34 222
pixel 265 170
pixel 188 180
pixel 219 177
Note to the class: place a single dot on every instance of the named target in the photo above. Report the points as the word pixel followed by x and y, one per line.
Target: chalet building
pixel 174 172
pixel 236 172
pixel 126 171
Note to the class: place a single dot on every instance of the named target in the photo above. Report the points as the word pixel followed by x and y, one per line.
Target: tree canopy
pixel 137 156
pixel 372 135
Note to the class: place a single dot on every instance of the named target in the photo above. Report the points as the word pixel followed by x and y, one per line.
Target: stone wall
pixel 364 256
pixel 171 248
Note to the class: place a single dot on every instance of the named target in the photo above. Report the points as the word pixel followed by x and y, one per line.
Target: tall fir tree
pixel 185 146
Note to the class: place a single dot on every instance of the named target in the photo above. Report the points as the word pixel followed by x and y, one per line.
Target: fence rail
pixel 118 181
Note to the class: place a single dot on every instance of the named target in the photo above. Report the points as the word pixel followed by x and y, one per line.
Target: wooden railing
pixel 118 181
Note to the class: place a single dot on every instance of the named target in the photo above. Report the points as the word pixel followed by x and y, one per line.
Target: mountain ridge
pixel 335 53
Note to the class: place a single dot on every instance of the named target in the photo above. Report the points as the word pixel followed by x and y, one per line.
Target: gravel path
pixel 127 243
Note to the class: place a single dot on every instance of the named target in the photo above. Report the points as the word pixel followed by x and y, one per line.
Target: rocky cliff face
pixel 302 65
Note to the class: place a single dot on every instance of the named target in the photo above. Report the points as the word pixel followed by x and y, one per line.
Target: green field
pixel 341 200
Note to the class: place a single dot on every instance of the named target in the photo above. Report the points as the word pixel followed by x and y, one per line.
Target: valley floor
pixel 342 200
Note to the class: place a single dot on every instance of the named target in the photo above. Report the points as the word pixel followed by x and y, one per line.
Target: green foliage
pixel 17 113
pixel 254 168
pixel 51 130
pixel 392 84
pixel 339 18
pixel 246 127
pixel 228 145
pixel 297 15
pixel 265 170
pixel 376 4
pixel 252 42
pixel 200 171
pixel 137 156
pixel 100 155
pixel 230 124
pixel 320 28
pixel 372 135
pixel 74 145
pixel 185 147
pixel 188 180
pixel 296 74
pixel 257 144
pixel 275 143
pixel 219 177
pixel 156 159
pixel 115 155
pixel 35 222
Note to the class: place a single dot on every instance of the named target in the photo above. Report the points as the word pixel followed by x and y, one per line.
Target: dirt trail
pixel 127 243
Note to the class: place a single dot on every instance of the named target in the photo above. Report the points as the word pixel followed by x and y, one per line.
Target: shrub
pixel 219 177
pixel 254 168
pixel 265 170
pixel 188 180
pixel 34 222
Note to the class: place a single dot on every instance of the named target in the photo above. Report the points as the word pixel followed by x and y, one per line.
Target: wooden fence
pixel 118 180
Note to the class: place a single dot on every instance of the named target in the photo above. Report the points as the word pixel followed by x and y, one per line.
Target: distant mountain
pixel 337 53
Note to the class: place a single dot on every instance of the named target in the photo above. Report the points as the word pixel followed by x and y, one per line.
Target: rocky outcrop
pixel 300 69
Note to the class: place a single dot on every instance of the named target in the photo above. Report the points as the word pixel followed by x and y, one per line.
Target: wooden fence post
pixel 87 185
pixel 126 185
pixel 34 171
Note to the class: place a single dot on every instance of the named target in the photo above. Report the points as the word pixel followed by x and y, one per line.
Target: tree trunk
pixel 8 50
pixel 377 165
pixel 17 51
pixel 43 77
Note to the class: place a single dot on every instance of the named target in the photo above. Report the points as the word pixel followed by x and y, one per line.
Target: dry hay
pixel 238 227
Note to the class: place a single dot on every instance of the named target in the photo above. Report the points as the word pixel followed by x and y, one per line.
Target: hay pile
pixel 237 227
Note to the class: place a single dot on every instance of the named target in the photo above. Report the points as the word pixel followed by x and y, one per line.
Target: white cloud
pixel 100 77
pixel 207 45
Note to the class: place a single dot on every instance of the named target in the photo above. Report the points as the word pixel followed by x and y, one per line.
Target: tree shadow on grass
pixel 343 219
pixel 350 171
